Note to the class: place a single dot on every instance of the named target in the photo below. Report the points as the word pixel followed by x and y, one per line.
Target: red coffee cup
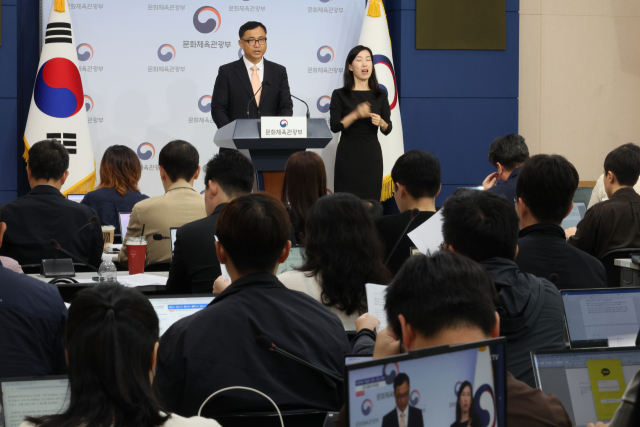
pixel 136 252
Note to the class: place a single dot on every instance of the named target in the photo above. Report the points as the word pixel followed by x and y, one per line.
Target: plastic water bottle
pixel 107 271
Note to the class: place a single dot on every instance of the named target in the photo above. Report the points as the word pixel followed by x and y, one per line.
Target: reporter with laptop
pixel 111 347
pixel 181 203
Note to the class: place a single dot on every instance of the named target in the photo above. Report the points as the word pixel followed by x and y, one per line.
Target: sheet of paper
pixel 142 280
pixel 376 296
pixel 428 236
pixel 223 269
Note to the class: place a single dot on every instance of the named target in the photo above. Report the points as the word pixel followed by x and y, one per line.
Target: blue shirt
pixel 32 322
pixel 107 202
pixel 507 188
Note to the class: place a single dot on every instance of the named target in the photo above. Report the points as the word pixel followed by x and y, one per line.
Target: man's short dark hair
pixel 233 172
pixel 253 229
pixel 48 160
pixel 179 160
pixel 439 292
pixel 546 184
pixel 624 162
pixel 509 150
pixel 400 379
pixel 251 25
pixel 419 172
pixel 480 224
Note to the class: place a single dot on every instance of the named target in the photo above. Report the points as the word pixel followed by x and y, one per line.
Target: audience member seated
pixel 545 190
pixel 179 205
pixel 8 263
pixel 194 265
pixel 598 194
pixel 32 318
pixel 614 223
pixel 45 213
pixel 374 208
pixel 112 346
pixel 484 227
pixel 416 176
pixel 216 347
pixel 446 299
pixel 118 190
pixel 506 154
pixel 305 181
pixel 343 253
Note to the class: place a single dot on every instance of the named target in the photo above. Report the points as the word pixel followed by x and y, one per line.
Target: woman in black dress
pixel 358 110
pixel 466 415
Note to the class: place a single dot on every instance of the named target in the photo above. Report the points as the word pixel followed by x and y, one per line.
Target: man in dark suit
pixel 45 214
pixel 403 415
pixel 506 154
pixel 544 193
pixel 194 265
pixel 238 81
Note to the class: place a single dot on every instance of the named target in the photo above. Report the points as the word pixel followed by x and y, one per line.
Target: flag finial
pixel 59 5
pixel 374 9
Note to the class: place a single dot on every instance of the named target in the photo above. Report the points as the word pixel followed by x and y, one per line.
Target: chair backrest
pixel 614 272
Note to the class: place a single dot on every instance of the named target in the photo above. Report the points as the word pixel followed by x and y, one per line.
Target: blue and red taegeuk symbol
pixel 328 56
pixel 414 398
pixel 205 108
pixel 84 56
pixel 166 57
pixel 367 407
pixel 324 108
pixel 58 89
pixel 487 415
pixel 284 123
pixel 88 103
pixel 383 60
pixel 148 153
pixel 210 24
pixel 392 373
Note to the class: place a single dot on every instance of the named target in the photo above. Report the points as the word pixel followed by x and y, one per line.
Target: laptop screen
pixel 436 377
pixel 172 234
pixel 170 309
pixel 589 383
pixel 575 216
pixel 602 314
pixel 33 397
pixel 294 260
pixel 75 197
pixel 124 222
pixel 350 359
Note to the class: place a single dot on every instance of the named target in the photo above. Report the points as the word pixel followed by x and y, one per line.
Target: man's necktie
pixel 255 83
pixel 402 421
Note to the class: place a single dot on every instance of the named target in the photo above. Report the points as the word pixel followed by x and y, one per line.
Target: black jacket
pixel 32 321
pixel 390 227
pixel 44 214
pixel 544 252
pixel 508 188
pixel 415 418
pixel 216 348
pixel 531 315
pixel 232 92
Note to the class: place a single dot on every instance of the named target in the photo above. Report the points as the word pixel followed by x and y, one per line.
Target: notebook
pixel 172 308
pixel 589 382
pixel 435 377
pixel 606 317
pixel 35 397
pixel 575 216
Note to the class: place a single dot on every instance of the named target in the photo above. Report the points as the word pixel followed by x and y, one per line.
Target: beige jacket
pixel 180 205
pixel 598 194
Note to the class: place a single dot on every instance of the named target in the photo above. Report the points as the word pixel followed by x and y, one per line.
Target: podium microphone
pixel 266 344
pixel 265 82
pixel 160 237
pixel 55 245
pixel 414 213
pixel 253 97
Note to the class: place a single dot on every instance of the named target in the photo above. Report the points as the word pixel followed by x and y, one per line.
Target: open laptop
pixel 350 359
pixel 588 382
pixel 171 308
pixel 75 197
pixel 295 260
pixel 172 235
pixel 608 317
pixel 435 376
pixel 35 397
pixel 575 216
pixel 124 222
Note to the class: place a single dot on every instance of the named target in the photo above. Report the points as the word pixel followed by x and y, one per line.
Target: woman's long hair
pixel 120 169
pixel 305 181
pixel 343 250
pixel 473 415
pixel 348 78
pixel 110 338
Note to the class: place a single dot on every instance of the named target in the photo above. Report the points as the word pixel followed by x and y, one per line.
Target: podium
pixel 270 155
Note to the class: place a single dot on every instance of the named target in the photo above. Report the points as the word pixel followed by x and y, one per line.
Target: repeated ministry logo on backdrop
pixel 325 54
pixel 166 53
pixel 88 103
pixel 87 52
pixel 367 407
pixel 414 398
pixel 210 25
pixel 324 107
pixel 148 153
pixel 284 123
pixel 390 371
pixel 58 88
pixel 205 108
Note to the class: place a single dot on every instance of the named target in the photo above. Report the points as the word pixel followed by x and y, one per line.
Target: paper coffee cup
pixel 107 236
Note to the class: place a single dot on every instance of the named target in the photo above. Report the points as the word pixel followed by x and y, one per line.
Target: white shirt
pixel 250 64
pixel 406 415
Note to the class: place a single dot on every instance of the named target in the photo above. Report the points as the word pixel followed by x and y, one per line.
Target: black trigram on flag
pixel 67 139
pixel 58 32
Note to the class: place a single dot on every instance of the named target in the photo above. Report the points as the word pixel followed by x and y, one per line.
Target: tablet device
pixel 35 397
pixel 589 382
pixel 575 216
pixel 75 197
pixel 171 308
pixel 607 317
pixel 430 380
pixel 295 260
